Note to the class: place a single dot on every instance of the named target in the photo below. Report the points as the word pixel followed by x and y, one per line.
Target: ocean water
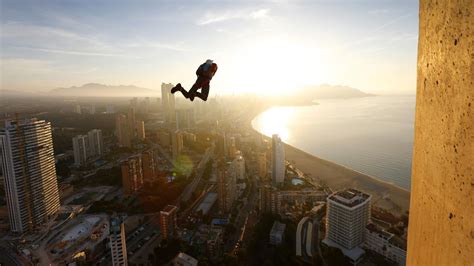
pixel 372 135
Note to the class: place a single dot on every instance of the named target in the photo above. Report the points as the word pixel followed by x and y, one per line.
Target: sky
pixel 268 47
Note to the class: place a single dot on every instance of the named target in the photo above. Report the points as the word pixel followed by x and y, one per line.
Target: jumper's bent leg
pixel 179 88
pixel 204 92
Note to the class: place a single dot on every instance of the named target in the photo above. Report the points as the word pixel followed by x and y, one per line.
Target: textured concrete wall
pixel 441 229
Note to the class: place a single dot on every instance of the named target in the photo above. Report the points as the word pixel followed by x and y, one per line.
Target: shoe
pixel 176 88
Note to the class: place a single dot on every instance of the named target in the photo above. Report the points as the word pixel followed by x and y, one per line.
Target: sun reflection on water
pixel 275 121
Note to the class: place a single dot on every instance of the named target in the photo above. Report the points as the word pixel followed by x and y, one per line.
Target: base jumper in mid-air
pixel 205 72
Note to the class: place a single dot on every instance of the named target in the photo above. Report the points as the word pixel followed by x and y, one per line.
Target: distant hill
pixel 326 91
pixel 101 90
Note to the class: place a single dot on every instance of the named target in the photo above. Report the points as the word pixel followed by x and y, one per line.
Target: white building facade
pixel 278 160
pixel 27 160
pixel 348 213
pixel 386 244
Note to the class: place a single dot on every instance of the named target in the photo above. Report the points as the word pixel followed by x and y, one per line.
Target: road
pixel 245 220
pixel 9 257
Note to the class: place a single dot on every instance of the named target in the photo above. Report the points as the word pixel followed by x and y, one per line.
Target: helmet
pixel 208 61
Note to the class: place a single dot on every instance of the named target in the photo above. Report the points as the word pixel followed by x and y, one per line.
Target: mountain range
pixel 101 90
pixel 325 91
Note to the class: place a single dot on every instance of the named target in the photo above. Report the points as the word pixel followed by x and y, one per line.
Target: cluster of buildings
pixel 349 229
pixel 87 146
pixel 272 200
pixel 138 169
pixel 86 109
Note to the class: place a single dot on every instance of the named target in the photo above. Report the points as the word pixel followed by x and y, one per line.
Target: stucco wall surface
pixel 441 228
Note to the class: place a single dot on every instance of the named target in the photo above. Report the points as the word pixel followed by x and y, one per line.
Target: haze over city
pixel 276 132
pixel 272 47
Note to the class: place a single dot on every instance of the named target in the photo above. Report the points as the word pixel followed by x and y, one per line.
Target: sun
pixel 276 66
pixel 275 121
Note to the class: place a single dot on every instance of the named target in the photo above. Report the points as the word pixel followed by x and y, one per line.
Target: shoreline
pixel 384 194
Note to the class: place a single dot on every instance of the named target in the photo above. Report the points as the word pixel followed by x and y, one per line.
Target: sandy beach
pixel 335 176
pixel 384 195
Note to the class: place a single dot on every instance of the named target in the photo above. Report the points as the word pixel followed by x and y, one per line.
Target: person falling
pixel 205 72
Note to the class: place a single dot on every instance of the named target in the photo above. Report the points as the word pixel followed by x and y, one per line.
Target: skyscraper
pixel 149 165
pixel 168 221
pixel 262 165
pixel 239 167
pixel 227 190
pixel 80 148
pixel 132 122
pixel 185 118
pixel 168 102
pixel 122 131
pixel 348 213
pixel 96 142
pixel 140 126
pixel 27 159
pixel 117 240
pixel 278 160
pixel 132 174
pixel 176 144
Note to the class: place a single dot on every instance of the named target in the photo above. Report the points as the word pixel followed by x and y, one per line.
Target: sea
pixel 371 135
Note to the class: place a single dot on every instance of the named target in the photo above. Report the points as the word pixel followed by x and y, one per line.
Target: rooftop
pixel 278 228
pixel 207 203
pixel 374 228
pixel 349 197
pixel 169 208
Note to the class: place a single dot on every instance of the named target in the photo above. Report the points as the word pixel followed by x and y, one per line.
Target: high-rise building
pixel 96 142
pixel 117 241
pixel 176 144
pixel 132 174
pixel 231 147
pixel 77 109
pixel 185 118
pixel 268 199
pixel 239 167
pixel 80 145
pixel 149 165
pixel 140 126
pixel 168 221
pixel 164 138
pixel 27 159
pixel 227 185
pixel 278 160
pixel 122 131
pixel 262 165
pixel 132 122
pixel 168 103
pixel 348 213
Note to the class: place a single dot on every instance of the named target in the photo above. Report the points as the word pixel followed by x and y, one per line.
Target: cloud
pixel 157 45
pixel 211 18
pixel 74 52
pixel 378 11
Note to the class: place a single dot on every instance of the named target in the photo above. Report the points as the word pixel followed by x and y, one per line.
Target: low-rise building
pixel 277 233
pixel 214 242
pixel 184 259
pixel 385 243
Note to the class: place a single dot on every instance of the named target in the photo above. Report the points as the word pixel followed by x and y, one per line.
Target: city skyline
pixel 369 45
